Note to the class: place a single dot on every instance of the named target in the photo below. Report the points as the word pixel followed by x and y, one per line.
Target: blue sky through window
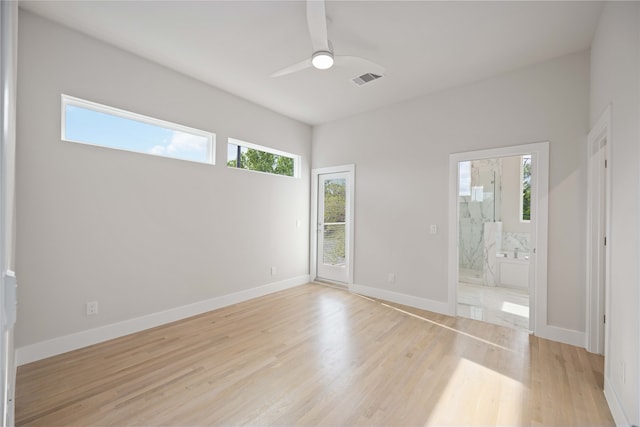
pixel 232 151
pixel 99 128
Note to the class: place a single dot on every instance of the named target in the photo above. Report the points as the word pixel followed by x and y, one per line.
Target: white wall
pixel 402 152
pixel 615 81
pixel 510 208
pixel 141 234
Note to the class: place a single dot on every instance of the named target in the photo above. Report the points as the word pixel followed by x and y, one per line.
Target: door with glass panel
pixel 333 226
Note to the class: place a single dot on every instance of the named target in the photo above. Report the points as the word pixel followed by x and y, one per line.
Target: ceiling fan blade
pixel 293 68
pixel 317 22
pixel 359 64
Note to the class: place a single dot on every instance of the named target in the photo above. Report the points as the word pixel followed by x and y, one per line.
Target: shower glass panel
pixel 479 203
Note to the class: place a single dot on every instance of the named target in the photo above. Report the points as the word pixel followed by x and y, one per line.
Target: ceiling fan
pixel 322 57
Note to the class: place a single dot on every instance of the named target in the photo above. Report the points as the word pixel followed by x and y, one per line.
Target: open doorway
pixel 498 204
pixel 494 240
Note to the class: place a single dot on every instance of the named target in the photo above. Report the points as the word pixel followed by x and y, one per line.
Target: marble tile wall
pixel 492 242
pixel 480 207
pixel 470 248
pixel 511 241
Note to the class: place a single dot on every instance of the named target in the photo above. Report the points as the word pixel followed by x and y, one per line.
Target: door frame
pixel 598 285
pixel 313 229
pixel 8 71
pixel 539 235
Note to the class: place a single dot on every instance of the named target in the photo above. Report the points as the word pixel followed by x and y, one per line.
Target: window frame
pixel 297 159
pixel 67 100
pixel 521 198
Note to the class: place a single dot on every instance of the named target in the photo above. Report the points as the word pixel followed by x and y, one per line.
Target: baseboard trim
pixel 63 344
pixel 404 299
pixel 618 414
pixel 556 333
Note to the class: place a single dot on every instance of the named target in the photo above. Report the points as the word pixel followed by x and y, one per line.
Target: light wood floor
pixel 315 355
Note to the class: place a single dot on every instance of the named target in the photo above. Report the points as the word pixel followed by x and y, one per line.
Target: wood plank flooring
pixel 316 355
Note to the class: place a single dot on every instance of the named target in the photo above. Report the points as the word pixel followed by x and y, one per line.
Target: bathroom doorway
pixel 497 238
pixel 494 240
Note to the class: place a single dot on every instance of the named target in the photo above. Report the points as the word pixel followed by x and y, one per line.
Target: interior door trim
pixel 598 286
pixel 539 208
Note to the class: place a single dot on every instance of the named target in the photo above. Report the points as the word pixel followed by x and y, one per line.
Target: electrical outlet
pixel 92 308
pixel 392 278
pixel 274 271
pixel 433 229
pixel 298 223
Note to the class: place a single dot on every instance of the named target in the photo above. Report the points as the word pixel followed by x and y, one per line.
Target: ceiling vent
pixel 366 78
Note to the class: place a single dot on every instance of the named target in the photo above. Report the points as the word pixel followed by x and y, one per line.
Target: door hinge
pixel 605 164
pixel 605 240
pixel 604 320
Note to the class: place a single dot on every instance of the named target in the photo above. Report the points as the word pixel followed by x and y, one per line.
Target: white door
pixel 334 226
pixel 597 220
pixel 8 68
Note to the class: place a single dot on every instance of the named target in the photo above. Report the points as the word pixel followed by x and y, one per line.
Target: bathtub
pixel 513 272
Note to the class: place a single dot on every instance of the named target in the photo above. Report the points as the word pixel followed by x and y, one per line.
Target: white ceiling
pixel 424 46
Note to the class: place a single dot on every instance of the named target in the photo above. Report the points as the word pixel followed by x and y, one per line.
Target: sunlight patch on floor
pixel 500 402
pixel 517 309
pixel 435 323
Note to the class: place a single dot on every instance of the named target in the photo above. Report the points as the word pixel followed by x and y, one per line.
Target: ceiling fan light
pixel 322 60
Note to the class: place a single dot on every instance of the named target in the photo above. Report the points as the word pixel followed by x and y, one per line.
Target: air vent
pixel 366 78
